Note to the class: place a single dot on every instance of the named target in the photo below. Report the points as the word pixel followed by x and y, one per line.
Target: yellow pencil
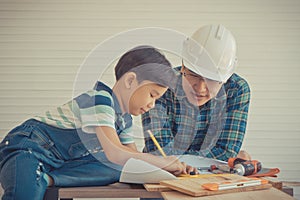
pixel 156 144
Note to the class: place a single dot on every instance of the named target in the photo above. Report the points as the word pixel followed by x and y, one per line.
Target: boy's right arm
pixel 117 153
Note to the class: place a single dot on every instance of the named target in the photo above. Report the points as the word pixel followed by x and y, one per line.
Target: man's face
pixel 198 89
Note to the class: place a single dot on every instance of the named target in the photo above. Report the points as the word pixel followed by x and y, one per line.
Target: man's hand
pixel 244 155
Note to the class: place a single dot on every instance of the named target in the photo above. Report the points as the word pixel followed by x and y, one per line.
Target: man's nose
pixel 200 86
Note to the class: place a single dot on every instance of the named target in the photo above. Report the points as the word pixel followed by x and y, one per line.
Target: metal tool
pixel 237 166
pixel 244 167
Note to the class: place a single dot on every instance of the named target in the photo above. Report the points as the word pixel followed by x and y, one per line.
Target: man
pixel 207 114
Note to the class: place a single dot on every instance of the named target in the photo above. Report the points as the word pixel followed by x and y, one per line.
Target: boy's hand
pixel 174 166
pixel 192 170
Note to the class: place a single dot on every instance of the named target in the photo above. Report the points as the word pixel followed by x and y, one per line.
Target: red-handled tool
pixel 244 167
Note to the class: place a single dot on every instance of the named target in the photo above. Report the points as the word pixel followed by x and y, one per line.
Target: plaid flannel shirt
pixel 214 130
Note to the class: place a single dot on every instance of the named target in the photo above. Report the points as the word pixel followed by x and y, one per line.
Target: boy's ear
pixel 130 78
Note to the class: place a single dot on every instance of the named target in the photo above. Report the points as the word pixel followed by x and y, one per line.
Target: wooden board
pixel 192 186
pixel 274 182
pixel 155 187
pixel 269 194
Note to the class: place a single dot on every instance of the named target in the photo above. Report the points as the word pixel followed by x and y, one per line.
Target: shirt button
pixel 6 142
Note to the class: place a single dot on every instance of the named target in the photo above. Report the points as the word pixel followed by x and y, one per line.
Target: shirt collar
pixel 123 120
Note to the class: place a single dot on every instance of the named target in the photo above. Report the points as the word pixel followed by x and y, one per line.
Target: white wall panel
pixel 43 43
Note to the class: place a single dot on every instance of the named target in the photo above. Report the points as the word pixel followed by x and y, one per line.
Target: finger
pixel 189 169
pixel 184 168
pixel 195 170
pixel 177 172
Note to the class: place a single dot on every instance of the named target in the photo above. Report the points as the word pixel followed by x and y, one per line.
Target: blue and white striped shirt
pixel 97 107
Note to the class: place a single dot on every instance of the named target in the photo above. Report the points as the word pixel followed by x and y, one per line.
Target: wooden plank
pixel 116 190
pixel 192 186
pixel 156 187
pixel 272 194
pixel 274 182
pixel 291 183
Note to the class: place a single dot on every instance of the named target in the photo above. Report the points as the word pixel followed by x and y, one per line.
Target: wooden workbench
pixel 117 190
pixel 120 190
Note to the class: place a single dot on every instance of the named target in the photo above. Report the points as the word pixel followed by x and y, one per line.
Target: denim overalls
pixel 70 156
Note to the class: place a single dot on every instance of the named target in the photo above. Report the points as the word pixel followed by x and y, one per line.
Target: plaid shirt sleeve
pixel 232 135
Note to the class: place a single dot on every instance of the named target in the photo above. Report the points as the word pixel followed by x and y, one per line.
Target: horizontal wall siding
pixel 43 43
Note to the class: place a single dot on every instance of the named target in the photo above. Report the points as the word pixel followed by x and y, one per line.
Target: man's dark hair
pixel 148 64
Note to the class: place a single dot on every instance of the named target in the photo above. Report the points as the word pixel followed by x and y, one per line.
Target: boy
pixel 86 141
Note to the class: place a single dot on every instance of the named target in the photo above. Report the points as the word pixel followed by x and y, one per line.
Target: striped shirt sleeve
pixel 96 109
pixel 126 136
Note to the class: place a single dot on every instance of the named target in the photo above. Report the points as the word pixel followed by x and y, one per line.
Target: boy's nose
pixel 151 104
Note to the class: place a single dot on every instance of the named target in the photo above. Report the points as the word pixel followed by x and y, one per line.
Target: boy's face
pixel 144 97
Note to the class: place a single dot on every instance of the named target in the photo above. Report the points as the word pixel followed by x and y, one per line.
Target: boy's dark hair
pixel 148 64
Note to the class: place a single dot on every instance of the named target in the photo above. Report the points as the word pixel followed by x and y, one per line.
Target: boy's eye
pixel 151 95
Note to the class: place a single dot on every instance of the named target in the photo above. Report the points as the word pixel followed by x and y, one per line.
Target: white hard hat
pixel 211 52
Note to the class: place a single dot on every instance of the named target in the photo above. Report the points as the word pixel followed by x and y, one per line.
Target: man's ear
pixel 182 66
pixel 129 79
pixel 182 69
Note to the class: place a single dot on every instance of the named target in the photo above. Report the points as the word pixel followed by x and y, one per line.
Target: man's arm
pixel 232 135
